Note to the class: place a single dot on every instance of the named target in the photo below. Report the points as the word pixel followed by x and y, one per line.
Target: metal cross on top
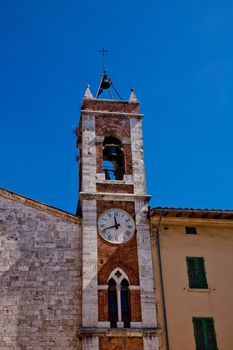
pixel 103 51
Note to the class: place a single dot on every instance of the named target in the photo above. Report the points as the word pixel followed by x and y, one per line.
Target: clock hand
pixel 116 224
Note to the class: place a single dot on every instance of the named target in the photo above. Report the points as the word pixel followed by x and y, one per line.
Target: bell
pixel 111 152
pixel 105 83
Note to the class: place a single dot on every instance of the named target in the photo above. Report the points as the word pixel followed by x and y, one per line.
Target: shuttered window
pixel 196 272
pixel 204 333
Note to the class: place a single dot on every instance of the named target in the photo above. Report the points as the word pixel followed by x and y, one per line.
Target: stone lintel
pixel 115 114
pixel 114 196
pixel 119 332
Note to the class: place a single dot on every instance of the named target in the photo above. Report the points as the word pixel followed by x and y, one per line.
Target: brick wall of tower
pixel 135 305
pixel 110 255
pixel 114 188
pixel 110 106
pixel 103 304
pixel 123 256
pixel 116 125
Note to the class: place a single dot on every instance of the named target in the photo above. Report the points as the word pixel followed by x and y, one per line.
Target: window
pixel 204 333
pixel 113 159
pixel 112 303
pixel 125 303
pixel 118 299
pixel 190 230
pixel 196 273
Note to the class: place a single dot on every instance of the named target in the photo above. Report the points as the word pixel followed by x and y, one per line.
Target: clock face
pixel 116 226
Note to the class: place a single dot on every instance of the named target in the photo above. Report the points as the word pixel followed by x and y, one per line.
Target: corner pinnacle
pixel 88 94
pixel 133 97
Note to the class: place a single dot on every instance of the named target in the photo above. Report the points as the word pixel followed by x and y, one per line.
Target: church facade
pixel 103 279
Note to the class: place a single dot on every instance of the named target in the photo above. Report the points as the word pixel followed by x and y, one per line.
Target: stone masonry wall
pixel 40 279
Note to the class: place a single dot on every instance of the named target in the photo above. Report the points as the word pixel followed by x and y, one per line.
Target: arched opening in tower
pixel 113 159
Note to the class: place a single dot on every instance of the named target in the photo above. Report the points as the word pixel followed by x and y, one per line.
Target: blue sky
pixel 177 55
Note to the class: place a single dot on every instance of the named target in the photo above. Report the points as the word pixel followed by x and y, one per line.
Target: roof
pixel 39 206
pixel 192 213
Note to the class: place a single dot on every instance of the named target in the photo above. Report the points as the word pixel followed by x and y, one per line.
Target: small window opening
pixel 112 303
pixel 113 159
pixel 190 230
pixel 125 303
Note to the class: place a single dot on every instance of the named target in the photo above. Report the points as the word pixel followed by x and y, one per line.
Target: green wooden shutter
pixel 210 334
pixel 191 272
pixel 201 274
pixel 204 333
pixel 196 272
pixel 198 333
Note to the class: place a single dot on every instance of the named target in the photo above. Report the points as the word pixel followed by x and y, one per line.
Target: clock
pixel 116 226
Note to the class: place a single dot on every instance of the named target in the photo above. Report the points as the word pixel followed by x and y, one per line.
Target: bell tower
pixel 118 292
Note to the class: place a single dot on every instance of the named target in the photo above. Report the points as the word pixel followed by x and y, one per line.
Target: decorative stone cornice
pixel 107 114
pixel 114 196
pixel 119 332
